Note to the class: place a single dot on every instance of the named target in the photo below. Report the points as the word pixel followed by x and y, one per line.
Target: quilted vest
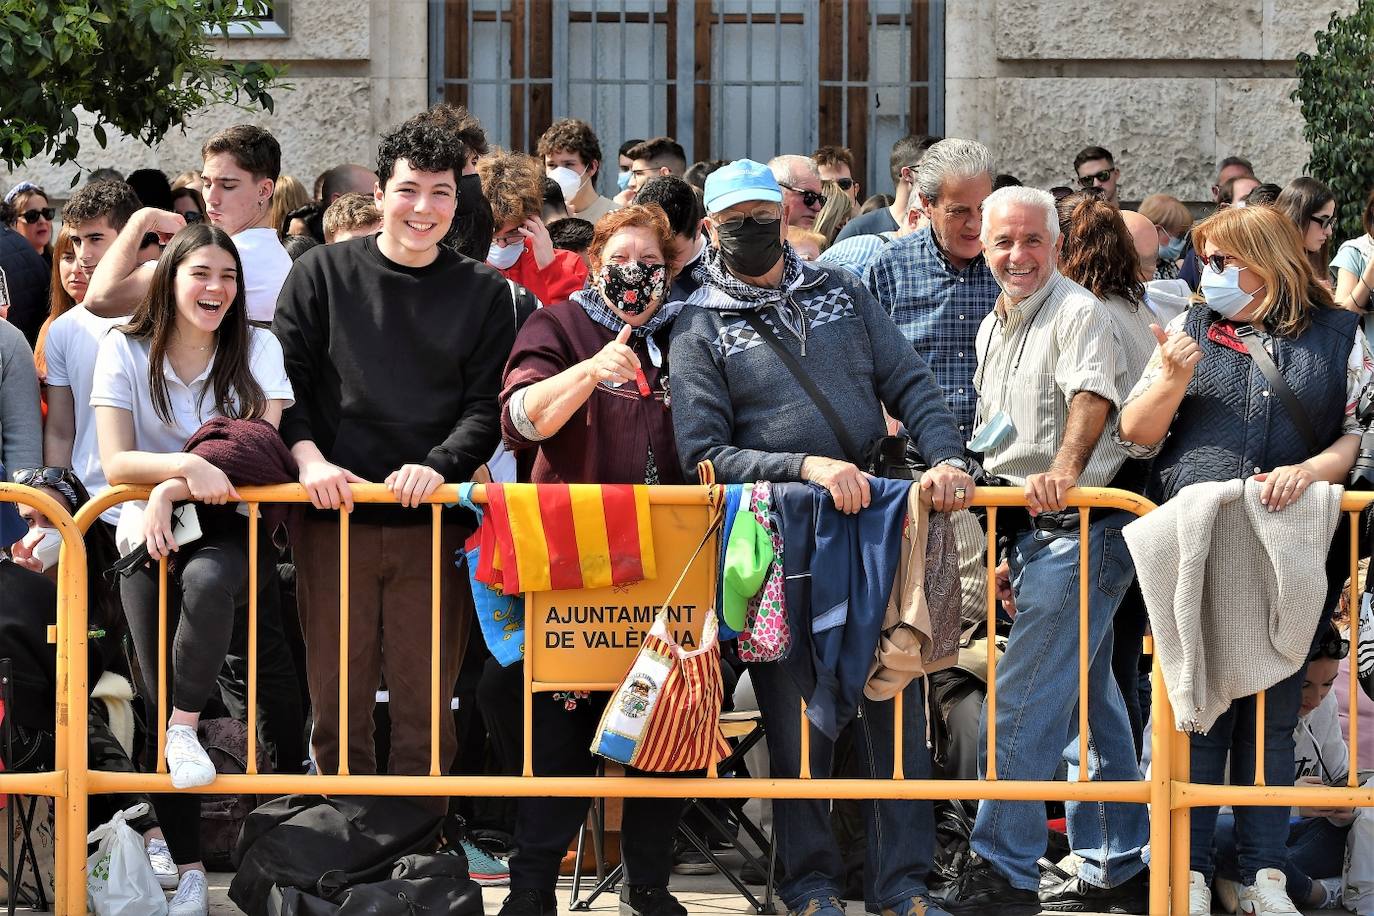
pixel 1232 425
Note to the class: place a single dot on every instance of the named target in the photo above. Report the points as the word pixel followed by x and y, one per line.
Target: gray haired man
pixel 800 181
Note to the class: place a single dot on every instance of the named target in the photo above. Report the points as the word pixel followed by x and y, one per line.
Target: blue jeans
pixel 1037 710
pixel 1261 832
pixel 899 833
pixel 1316 849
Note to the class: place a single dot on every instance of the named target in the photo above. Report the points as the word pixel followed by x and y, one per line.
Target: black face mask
pixel 753 248
pixel 469 194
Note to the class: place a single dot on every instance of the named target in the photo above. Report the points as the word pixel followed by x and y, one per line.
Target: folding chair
pixel 25 808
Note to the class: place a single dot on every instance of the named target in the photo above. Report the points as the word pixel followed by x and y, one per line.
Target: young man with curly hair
pixel 572 157
pixel 394 346
pixel 521 248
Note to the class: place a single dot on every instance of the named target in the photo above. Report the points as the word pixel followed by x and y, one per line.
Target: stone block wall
pixel 355 68
pixel 1170 87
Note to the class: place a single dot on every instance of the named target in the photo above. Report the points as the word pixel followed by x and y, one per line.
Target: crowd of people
pixel 458 312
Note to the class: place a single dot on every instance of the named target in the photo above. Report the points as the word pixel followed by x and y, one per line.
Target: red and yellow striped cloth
pixel 557 536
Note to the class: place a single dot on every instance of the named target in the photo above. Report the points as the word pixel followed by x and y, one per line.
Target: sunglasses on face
pixel 844 183
pixel 1325 222
pixel 33 216
pixel 1103 176
pixel 812 200
pixel 1219 263
pixel 192 217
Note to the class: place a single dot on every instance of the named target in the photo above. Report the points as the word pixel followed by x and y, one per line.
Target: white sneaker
pixel 186 759
pixel 192 896
pixel 1268 896
pixel 1199 895
pixel 1228 893
pixel 164 869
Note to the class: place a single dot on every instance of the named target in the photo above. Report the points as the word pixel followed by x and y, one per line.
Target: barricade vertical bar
pixel 898 770
pixel 1259 738
pixel 804 765
pixel 72 650
pixel 1161 769
pixel 162 711
pixel 435 647
pixel 345 608
pixel 1181 822
pixel 1084 570
pixel 531 624
pixel 252 639
pixel 1353 780
pixel 991 702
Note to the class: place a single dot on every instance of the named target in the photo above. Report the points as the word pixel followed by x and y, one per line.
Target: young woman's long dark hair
pixel 237 394
pixel 1300 201
pixel 1098 251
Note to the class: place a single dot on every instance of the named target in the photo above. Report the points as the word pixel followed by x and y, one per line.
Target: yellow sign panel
pixel 583 636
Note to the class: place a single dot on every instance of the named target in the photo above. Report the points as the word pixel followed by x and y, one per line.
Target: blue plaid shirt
pixel 938 309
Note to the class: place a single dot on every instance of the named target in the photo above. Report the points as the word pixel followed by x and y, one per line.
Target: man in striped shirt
pixel 1047 380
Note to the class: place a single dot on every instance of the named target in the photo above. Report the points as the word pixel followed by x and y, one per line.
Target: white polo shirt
pixel 265 266
pixel 72 347
pixel 121 380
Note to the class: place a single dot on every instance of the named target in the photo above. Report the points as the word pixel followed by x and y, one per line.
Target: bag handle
pixel 465 500
pixel 1247 335
pixel 717 516
pixel 832 419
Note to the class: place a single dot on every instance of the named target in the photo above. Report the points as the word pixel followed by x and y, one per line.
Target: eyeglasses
pixel 33 216
pixel 1219 262
pixel 1087 181
pixel 812 200
pixel 1334 646
pixel 844 183
pixel 1326 222
pixel 764 215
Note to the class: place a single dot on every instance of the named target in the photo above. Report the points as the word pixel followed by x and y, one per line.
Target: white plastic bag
pixel 119 877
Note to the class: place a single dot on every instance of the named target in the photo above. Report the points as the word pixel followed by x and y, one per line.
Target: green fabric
pixel 748 554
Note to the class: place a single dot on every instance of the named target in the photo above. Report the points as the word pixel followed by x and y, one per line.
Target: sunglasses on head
pixel 1326 222
pixel 33 216
pixel 810 199
pixel 1333 646
pixel 1088 181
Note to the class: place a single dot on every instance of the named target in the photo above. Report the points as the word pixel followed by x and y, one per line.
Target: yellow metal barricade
pixel 679 519
pixel 65 784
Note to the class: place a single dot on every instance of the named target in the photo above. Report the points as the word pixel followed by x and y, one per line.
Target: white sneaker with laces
pixel 1199 895
pixel 1268 896
pixel 192 896
pixel 186 759
pixel 164 869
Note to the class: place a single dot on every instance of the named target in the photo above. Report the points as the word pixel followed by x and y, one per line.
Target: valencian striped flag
pixel 557 536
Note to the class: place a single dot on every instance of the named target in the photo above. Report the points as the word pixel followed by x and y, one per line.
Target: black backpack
pixel 308 852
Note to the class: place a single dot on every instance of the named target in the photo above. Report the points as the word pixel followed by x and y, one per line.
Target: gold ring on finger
pixel 960 492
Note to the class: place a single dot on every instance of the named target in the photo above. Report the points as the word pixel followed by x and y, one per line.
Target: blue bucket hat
pixel 741 180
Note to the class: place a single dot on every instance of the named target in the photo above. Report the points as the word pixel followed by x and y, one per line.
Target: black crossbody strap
pixel 755 321
pixel 1265 362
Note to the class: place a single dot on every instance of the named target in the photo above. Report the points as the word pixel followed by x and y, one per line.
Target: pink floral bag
pixel 766 637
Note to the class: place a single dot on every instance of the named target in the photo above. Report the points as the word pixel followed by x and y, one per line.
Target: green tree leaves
pixel 139 66
pixel 1336 92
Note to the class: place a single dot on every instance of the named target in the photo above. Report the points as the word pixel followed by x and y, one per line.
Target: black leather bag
pixel 418 884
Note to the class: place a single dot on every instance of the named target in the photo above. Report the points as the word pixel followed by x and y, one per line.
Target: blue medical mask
pixel 504 258
pixel 1222 291
pixel 622 180
pixel 1172 251
pixel 993 434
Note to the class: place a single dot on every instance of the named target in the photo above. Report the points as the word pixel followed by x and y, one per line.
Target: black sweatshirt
pixel 394 365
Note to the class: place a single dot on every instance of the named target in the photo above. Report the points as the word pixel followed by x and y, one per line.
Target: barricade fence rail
pixel 680 513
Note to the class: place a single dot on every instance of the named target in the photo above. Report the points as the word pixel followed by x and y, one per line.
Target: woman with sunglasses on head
pixel 186 356
pixel 30 214
pixel 1202 410
pixel 1312 208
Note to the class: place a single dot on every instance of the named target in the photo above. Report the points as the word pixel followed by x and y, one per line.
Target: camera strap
pixel 1265 362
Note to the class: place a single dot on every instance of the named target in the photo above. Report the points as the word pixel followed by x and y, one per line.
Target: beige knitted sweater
pixel 1234 591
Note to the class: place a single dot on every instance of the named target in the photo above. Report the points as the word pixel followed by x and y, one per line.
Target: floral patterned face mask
pixel 632 287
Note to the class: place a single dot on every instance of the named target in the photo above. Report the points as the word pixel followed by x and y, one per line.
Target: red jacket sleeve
pixel 565 275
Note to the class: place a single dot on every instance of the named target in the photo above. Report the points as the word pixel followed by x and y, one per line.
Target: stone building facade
pixel 1170 87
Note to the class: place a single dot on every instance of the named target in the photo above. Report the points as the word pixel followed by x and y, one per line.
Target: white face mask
pixel 505 258
pixel 568 180
pixel 47 548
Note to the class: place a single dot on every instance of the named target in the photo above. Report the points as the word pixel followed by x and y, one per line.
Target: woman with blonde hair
pixel 288 195
pixel 837 211
pixel 1172 221
pixel 1220 424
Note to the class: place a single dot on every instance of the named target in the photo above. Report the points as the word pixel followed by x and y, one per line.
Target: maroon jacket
pixel 609 437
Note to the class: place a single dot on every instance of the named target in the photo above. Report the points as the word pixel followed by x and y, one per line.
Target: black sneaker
pixel 982 889
pixel 1078 896
pixel 529 903
pixel 688 860
pixel 649 901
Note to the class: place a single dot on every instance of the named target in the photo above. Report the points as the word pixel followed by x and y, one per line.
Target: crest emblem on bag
pixel 634 700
